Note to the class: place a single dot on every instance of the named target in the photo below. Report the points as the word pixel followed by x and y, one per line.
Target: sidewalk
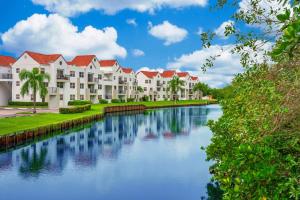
pixel 12 112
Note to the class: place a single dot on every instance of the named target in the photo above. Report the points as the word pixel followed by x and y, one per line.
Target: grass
pixel 15 124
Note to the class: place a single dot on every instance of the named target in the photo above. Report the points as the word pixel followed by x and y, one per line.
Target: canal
pixel 154 155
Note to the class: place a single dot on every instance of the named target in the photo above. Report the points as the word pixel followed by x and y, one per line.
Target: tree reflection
pixel 33 165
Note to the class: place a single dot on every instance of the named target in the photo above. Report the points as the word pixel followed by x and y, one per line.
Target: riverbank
pixel 19 124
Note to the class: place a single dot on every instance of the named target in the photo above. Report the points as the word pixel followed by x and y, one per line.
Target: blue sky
pixel 141 34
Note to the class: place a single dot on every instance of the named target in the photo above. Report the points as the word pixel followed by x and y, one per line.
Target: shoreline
pixel 23 137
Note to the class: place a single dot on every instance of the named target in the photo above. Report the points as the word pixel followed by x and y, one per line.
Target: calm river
pixel 151 156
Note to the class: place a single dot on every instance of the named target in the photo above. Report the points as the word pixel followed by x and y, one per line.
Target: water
pixel 152 156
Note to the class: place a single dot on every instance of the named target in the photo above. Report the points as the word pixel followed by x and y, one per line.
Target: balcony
pixel 108 96
pixel 6 77
pixel 122 82
pixel 53 91
pixel 62 78
pixel 92 91
pixel 92 80
pixel 121 92
pixel 158 84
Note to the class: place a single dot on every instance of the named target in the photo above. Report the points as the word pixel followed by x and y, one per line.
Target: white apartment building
pixel 5 79
pixel 86 78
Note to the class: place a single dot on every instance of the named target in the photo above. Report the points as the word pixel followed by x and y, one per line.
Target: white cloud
pixel 131 22
pixel 138 52
pixel 74 7
pixel 168 32
pixel 221 29
pixel 200 31
pixel 151 69
pixel 56 34
pixel 226 66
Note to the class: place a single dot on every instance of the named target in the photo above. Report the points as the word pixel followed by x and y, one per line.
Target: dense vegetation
pixel 256 143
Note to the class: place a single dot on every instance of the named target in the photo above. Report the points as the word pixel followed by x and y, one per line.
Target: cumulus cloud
pixel 74 7
pixel 131 22
pixel 168 32
pixel 56 34
pixel 138 52
pixel 221 29
pixel 151 69
pixel 226 66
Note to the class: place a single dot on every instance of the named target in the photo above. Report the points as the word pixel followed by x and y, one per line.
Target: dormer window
pixel 60 62
pixel 94 59
pixel 91 67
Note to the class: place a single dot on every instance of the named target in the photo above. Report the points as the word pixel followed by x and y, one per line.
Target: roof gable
pixel 43 59
pixel 182 74
pixel 107 63
pixel 82 60
pixel 7 61
pixel 149 74
pixel 168 73
pixel 127 70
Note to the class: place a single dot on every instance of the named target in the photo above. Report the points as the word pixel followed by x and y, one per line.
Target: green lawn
pixel 15 124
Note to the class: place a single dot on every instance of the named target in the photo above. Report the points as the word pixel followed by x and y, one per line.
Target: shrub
pixel 75 109
pixel 103 101
pixel 145 98
pixel 78 103
pixel 24 103
pixel 116 101
pixel 130 100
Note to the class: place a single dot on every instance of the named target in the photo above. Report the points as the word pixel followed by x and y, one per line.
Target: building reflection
pixel 103 140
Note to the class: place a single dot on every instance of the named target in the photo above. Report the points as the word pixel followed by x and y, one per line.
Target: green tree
pixel 202 88
pixel 140 90
pixel 34 80
pixel 174 86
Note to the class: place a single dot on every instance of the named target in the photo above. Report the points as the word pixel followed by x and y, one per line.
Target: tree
pixel 202 88
pixel 174 86
pixel 140 90
pixel 34 80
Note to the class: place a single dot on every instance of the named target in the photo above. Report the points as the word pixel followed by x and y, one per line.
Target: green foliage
pixel 25 103
pixel 116 101
pixel 130 100
pixel 140 89
pixel 78 102
pixel 256 143
pixel 103 101
pixel 174 86
pixel 145 98
pixel 202 87
pixel 75 109
pixel 34 80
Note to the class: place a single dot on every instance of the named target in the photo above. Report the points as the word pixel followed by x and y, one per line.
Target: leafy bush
pixel 78 102
pixel 130 100
pixel 24 103
pixel 145 98
pixel 75 109
pixel 116 101
pixel 103 101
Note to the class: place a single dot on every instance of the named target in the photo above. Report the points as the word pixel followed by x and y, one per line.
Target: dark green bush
pixel 116 100
pixel 78 103
pixel 145 98
pixel 24 103
pixel 130 100
pixel 103 101
pixel 75 109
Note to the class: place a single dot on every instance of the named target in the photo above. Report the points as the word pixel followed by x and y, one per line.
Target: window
pixel 145 89
pixel 17 96
pixel 130 79
pixel 31 97
pixel 18 70
pixel 100 87
pixel 115 87
pixel 164 82
pixel 60 62
pixel 72 85
pixel 72 73
pixel 99 96
pixel 146 81
pixel 151 89
pixel 125 87
pixel 99 76
pixel 72 97
pixel 81 74
pixel 114 78
pixel 81 97
pixel 149 81
pixel 61 97
pixel 17 83
pixel 125 79
pixel 91 67
pixel 42 70
pixel 60 85
pixel 81 86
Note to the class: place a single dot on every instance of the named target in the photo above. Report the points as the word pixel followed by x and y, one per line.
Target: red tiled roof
pixel 82 60
pixel 182 74
pixel 126 70
pixel 6 61
pixel 149 74
pixel 168 73
pixel 43 59
pixel 194 78
pixel 107 63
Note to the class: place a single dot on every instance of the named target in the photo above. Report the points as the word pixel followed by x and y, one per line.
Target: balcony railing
pixel 122 82
pixel 52 90
pixel 159 84
pixel 62 77
pixel 121 92
pixel 93 91
pixel 108 96
pixel 5 76
pixel 92 80
pixel 107 79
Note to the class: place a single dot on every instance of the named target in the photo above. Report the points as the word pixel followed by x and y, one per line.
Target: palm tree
pixel 174 86
pixel 139 90
pixel 34 80
pixel 202 89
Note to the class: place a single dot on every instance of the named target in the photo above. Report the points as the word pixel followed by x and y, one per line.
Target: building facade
pixel 87 78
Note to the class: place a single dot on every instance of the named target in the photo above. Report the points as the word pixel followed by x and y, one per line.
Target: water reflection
pixel 104 141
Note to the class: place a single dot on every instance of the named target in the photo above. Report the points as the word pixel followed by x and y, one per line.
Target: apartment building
pixel 5 79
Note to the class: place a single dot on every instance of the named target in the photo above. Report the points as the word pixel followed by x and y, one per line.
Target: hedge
pixel 78 103
pixel 116 100
pixel 25 103
pixel 130 100
pixel 75 109
pixel 103 101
